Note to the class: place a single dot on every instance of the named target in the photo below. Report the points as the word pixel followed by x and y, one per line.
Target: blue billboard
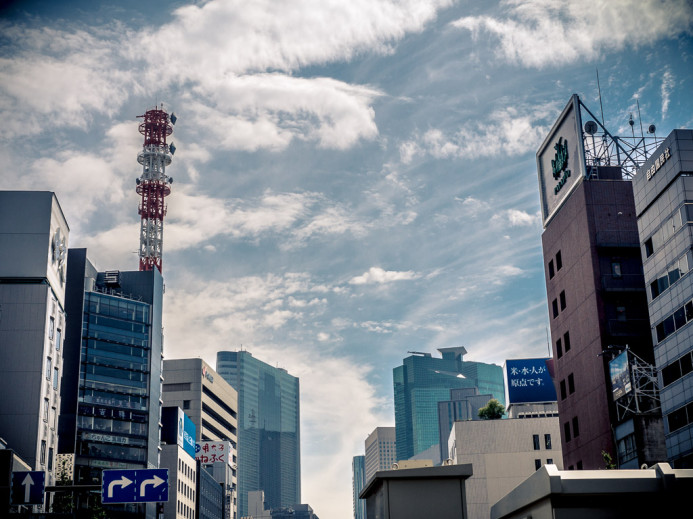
pixel 529 381
pixel 189 434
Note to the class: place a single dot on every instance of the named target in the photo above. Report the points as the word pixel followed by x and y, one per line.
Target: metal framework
pixel 644 396
pixel 153 185
pixel 604 149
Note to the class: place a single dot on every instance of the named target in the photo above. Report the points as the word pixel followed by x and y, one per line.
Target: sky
pixel 352 180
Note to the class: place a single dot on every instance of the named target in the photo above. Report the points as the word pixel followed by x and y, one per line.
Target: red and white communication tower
pixel 153 185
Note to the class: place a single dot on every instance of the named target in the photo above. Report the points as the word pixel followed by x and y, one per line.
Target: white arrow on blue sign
pixel 134 486
pixel 28 487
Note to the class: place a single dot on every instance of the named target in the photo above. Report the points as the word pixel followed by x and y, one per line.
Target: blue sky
pixel 353 180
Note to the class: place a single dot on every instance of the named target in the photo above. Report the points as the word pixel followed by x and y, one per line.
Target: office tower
pixel 269 455
pixel 212 405
pixel 422 381
pixel 664 205
pixel 594 283
pixel 358 482
pixel 464 404
pixel 381 451
pixel 33 250
pixel 113 387
pixel 211 495
pixel 178 456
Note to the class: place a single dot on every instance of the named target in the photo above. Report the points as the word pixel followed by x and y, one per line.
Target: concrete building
pixel 381 451
pixel 551 493
pixel 257 510
pixel 212 405
pixel 113 386
pixel 210 495
pixel 594 283
pixel 33 254
pixel 358 481
pixel 269 429
pixel 503 453
pixel 422 381
pixel 663 191
pixel 182 473
pixel 464 404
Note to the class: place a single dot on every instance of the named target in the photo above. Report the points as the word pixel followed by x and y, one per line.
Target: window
pixel 58 339
pixel 566 431
pixel 579 465
pixel 554 305
pixel 186 404
pixel 562 296
pixel 535 439
pixel 46 407
pixel 547 441
pixel 51 328
pixel 50 458
pixel 551 272
pixel 56 378
pixel 566 341
pixel 576 427
pixel 54 416
pixel 559 349
pixel 43 452
pixel 549 461
pixel 677 369
pixel 616 269
pixel 559 261
pixel 537 464
pixel 571 384
pixel 649 249
pixel 563 393
pixel 49 367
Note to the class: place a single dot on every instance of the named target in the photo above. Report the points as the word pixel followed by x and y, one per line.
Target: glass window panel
pixel 674 275
pixel 535 441
pixel 679 318
pixel 547 442
pixel 671 373
pixel 686 365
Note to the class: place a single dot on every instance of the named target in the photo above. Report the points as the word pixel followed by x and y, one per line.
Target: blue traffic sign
pixel 134 486
pixel 28 487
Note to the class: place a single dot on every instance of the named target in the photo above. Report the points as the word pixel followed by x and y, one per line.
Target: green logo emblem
pixel 559 165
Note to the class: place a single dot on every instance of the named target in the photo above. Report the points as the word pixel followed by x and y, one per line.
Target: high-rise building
pixel 381 451
pixel 358 482
pixel 269 454
pixel 594 282
pixel 111 395
pixel 212 405
pixel 464 404
pixel 33 252
pixel 422 381
pixel 664 205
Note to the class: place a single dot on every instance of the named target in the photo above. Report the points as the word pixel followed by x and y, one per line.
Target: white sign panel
pixel 561 160
pixel 211 451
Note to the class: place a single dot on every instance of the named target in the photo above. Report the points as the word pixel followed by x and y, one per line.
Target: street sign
pixel 28 487
pixel 134 486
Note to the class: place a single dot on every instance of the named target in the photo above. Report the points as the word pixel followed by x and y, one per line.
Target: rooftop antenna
pixel 599 88
pixel 632 123
pixel 642 134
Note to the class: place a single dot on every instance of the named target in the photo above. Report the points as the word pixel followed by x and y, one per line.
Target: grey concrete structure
pixel 659 491
pixel 415 493
pixel 503 454
pixel 464 404
pixel 381 451
pixel 33 254
pixel 210 495
pixel 663 191
pixel 182 474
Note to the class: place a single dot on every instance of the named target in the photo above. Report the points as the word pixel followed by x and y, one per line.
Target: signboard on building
pixel 211 451
pixel 529 381
pixel 178 428
pixel 189 435
pixel 619 373
pixel 561 160
pixel 28 488
pixel 134 486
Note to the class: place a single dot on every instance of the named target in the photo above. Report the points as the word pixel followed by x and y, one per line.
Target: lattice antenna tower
pixel 153 185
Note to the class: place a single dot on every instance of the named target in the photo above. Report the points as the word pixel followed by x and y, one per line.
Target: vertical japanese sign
pixel 529 381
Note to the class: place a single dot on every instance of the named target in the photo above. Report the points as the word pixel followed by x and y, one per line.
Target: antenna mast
pixel 153 185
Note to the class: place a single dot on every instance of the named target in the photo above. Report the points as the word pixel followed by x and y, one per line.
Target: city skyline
pixel 343 193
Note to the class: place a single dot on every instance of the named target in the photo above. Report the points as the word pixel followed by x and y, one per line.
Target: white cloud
pixel 667 87
pixel 538 33
pixel 516 218
pixel 377 275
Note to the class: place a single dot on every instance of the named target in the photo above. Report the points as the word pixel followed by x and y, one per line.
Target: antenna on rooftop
pixel 599 88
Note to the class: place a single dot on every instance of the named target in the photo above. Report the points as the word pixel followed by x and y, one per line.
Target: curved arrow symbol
pixel 27 483
pixel 155 482
pixel 122 483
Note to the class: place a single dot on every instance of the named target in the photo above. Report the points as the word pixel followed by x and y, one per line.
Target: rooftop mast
pixel 153 185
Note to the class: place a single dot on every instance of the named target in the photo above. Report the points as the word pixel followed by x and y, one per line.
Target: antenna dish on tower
pixel 651 129
pixel 590 127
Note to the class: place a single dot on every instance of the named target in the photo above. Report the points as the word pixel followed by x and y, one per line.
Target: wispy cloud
pixel 554 32
pixel 379 276
pixel 668 82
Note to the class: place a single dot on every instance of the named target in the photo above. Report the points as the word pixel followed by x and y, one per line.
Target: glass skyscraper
pixel 358 482
pixel 269 454
pixel 422 381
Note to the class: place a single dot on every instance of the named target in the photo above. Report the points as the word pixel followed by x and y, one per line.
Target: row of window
pixel 671 275
pixel 576 429
pixel 554 304
pixel 674 321
pixel 537 443
pixel 50 370
pixel 559 265
pixel 537 463
pixel 563 345
pixel 677 369
pixel 185 510
pixel 571 387
pixel 42 456
pixel 680 418
pixel 671 226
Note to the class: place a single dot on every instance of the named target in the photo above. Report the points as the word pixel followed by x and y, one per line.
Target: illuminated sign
pixel 658 163
pixel 529 381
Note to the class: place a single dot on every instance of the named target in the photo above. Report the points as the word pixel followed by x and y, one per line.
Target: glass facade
pixel 422 381
pixel 358 482
pixel 112 420
pixel 268 429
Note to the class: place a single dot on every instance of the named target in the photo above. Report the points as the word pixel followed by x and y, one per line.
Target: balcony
pixel 625 283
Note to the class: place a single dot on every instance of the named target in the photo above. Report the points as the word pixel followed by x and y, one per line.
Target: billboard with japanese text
pixel 212 451
pixel 529 381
